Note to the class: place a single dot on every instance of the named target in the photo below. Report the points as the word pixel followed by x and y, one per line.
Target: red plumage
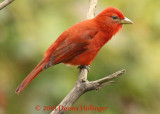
pixel 79 44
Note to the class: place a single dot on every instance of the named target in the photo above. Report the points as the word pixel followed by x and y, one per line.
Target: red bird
pixel 79 44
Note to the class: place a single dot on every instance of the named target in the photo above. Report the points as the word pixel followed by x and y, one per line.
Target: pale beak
pixel 126 21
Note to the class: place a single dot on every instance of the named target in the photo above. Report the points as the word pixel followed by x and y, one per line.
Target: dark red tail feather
pixel 30 77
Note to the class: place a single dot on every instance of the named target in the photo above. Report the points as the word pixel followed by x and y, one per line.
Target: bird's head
pixel 112 19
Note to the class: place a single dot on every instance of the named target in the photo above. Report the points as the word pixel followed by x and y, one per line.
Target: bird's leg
pixel 84 66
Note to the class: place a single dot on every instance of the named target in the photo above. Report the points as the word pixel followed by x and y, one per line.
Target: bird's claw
pixel 84 66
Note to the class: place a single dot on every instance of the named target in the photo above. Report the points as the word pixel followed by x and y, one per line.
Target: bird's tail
pixel 31 76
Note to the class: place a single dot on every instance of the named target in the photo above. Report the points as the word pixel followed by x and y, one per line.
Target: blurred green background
pixel 29 27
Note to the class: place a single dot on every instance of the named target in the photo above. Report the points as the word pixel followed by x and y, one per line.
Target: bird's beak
pixel 126 21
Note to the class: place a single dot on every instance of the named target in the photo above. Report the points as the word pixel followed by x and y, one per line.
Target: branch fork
pixel 82 87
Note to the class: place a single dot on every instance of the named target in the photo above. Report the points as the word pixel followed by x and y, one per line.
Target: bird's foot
pixel 84 66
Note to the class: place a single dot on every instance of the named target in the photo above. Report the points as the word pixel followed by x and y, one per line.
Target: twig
pixel 83 85
pixel 5 3
pixel 92 8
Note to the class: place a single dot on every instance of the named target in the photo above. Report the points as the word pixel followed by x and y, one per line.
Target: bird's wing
pixel 70 46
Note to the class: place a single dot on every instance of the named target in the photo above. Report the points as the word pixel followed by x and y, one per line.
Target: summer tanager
pixel 79 44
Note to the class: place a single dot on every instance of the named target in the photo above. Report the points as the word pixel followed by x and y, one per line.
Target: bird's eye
pixel 114 17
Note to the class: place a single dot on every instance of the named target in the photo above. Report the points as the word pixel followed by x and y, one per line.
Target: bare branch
pixel 83 71
pixel 92 8
pixel 110 77
pixel 5 3
pixel 95 85
pixel 81 87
